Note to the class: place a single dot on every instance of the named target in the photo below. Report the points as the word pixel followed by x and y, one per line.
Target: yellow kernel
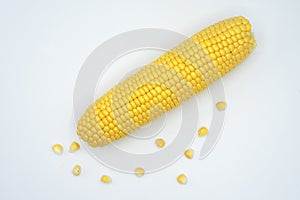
pixel 181 66
pixel 57 148
pixel 160 143
pixel 139 172
pixel 74 147
pixel 105 179
pixel 76 170
pixel 221 106
pixel 189 153
pixel 182 179
pixel 202 131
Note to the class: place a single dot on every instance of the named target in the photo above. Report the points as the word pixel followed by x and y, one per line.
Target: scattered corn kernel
pixel 57 148
pixel 76 170
pixel 139 172
pixel 202 131
pixel 74 147
pixel 160 143
pixel 182 179
pixel 221 106
pixel 105 179
pixel 189 153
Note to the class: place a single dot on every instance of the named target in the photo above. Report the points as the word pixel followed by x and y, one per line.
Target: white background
pixel 43 45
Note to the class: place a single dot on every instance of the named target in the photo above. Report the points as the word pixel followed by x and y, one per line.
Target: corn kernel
pixel 202 131
pixel 76 170
pixel 189 153
pixel 75 146
pixel 160 143
pixel 221 106
pixel 57 148
pixel 182 179
pixel 105 179
pixel 139 172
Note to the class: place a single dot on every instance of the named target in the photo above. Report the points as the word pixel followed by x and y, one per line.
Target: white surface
pixel 43 45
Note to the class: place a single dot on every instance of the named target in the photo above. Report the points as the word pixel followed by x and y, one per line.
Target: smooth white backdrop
pixel 43 45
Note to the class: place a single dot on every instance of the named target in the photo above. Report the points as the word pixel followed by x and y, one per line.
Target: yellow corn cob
pixel 164 84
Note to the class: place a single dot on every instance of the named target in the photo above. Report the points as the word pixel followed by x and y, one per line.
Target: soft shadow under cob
pixel 164 84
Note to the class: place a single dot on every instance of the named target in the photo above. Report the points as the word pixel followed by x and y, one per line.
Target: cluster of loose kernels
pixel 173 78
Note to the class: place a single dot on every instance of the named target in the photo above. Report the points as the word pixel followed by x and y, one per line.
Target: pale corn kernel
pixel 202 131
pixel 76 170
pixel 139 172
pixel 182 179
pixel 57 148
pixel 74 147
pixel 189 153
pixel 160 143
pixel 105 179
pixel 221 106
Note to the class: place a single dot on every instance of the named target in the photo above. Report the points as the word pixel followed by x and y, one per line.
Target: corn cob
pixel 165 83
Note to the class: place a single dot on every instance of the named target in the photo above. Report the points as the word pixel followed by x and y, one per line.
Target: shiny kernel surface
pixel 139 172
pixel 76 170
pixel 74 147
pixel 165 83
pixel 221 106
pixel 105 179
pixel 160 143
pixel 189 153
pixel 202 131
pixel 182 179
pixel 58 149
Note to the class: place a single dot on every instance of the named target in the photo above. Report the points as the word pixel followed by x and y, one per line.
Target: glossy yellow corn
pixel 221 105
pixel 58 149
pixel 182 179
pixel 139 172
pixel 74 147
pixel 160 143
pixel 189 153
pixel 76 170
pixel 202 131
pixel 165 83
pixel 105 179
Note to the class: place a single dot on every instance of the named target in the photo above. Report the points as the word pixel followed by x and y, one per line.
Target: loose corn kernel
pixel 189 153
pixel 57 148
pixel 139 172
pixel 221 106
pixel 76 170
pixel 182 179
pixel 202 131
pixel 160 143
pixel 74 147
pixel 105 179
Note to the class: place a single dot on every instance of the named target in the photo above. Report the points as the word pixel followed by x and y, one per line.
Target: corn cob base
pixel 168 81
